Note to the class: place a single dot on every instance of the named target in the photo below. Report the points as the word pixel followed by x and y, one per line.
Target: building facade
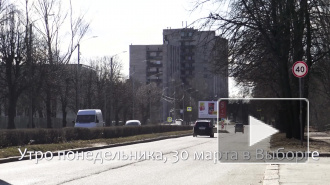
pixel 188 62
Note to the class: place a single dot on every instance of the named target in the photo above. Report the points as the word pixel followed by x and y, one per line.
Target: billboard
pixel 207 109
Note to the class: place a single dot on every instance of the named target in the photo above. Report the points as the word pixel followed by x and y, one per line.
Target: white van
pixel 89 118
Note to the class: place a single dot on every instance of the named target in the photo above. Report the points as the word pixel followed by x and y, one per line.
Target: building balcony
pixel 184 47
pixel 155 57
pixel 188 68
pixel 154 73
pixel 187 53
pixel 149 64
pixel 187 37
pixel 183 61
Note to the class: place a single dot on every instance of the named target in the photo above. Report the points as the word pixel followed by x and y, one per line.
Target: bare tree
pixel 266 37
pixel 107 87
pixel 54 19
pixel 13 60
pixel 147 96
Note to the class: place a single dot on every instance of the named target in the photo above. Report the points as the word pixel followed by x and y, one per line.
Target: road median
pixel 11 154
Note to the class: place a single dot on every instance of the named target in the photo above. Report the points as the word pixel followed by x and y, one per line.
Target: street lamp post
pixel 29 59
pixel 183 103
pixel 195 91
pixel 30 63
pixel 149 91
pixel 77 80
pixel 78 73
pixel 111 85
pixel 183 98
pixel 133 97
pixel 111 76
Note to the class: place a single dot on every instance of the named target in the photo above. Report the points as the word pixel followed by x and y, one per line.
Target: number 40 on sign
pixel 299 69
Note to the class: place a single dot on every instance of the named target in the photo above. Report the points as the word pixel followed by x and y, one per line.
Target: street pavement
pixel 180 166
pixel 314 172
pixel 183 169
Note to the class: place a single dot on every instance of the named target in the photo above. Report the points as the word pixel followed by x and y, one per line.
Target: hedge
pixel 20 137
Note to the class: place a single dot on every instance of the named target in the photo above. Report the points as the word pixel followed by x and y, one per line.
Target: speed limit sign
pixel 299 69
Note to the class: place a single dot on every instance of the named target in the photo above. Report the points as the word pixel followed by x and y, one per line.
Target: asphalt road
pixel 170 161
pixel 239 143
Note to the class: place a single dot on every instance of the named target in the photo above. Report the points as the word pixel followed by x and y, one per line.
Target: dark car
pixel 203 127
pixel 239 127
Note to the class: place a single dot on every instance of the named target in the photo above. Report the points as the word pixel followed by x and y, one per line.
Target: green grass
pixel 13 151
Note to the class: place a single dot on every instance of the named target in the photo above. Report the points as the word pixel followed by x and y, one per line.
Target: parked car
pixel 178 121
pixel 239 127
pixel 203 127
pixel 89 118
pixel 133 123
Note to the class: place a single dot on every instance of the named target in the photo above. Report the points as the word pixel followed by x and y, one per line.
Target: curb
pixel 14 159
pixel 271 176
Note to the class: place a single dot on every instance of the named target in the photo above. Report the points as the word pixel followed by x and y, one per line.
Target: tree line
pixel 265 38
pixel 38 77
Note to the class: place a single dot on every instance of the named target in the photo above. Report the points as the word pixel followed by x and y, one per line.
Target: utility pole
pixel 105 101
pixel 31 76
pixel 111 85
pixel 77 80
pixel 149 91
pixel 174 115
pixel 133 98
pixel 183 103
pixel 78 73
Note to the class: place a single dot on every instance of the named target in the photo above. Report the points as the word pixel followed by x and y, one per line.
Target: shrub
pixel 69 134
pixel 43 136
pixel 83 133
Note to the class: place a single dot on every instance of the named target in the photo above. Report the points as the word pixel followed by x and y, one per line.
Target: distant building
pixel 183 62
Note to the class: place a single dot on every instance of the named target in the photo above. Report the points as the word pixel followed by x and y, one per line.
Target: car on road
pixel 133 123
pixel 89 118
pixel 239 127
pixel 203 127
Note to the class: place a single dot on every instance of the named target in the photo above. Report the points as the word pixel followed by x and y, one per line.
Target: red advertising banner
pixel 222 109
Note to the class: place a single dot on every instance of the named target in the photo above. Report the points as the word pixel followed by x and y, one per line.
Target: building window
pixel 205 75
pixel 152 54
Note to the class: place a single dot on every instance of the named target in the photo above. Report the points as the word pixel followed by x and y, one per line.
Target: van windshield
pixel 85 118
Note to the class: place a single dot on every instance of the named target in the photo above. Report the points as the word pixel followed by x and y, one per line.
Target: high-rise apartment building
pixel 188 61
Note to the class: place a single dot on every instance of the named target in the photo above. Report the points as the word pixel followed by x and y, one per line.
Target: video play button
pixel 259 130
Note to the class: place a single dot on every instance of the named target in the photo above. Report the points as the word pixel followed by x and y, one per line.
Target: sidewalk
pixel 321 136
pixel 314 172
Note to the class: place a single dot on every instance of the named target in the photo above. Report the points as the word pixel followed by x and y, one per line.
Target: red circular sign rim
pixel 299 76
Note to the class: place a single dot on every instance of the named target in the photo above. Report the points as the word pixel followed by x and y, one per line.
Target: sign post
pixel 300 69
pixel 222 111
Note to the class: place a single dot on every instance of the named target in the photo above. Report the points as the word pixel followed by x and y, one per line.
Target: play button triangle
pixel 259 130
